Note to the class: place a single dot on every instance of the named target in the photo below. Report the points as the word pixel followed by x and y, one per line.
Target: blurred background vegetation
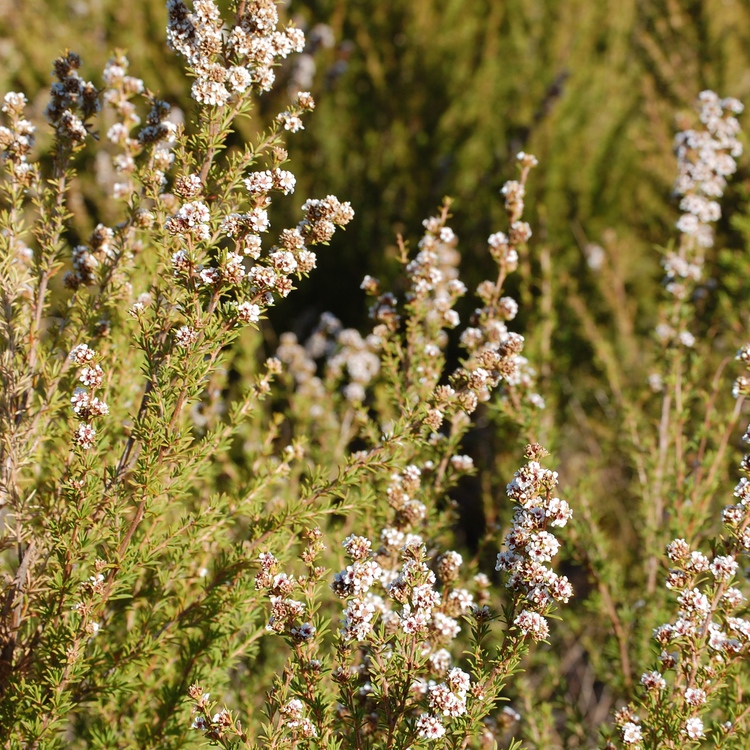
pixel 419 99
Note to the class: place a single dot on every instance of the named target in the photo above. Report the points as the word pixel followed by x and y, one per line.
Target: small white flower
pixel 694 728
pixel 631 733
pixel 430 727
pixel 248 312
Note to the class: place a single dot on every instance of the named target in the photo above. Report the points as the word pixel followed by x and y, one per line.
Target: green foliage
pixel 173 501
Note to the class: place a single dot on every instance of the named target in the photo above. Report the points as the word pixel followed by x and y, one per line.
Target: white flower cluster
pixel 410 604
pixel 86 406
pixel 271 275
pixel 185 336
pixel 705 618
pixel 356 357
pixel 213 726
pixel 347 357
pixel 631 733
pixel 244 228
pixel 16 141
pixel 299 364
pixel 260 183
pixel 227 62
pixel 248 312
pixel 409 601
pixel 742 384
pixel 192 218
pixel 530 545
pixel 433 275
pixel 293 714
pixel 705 158
pixel 399 541
pixel 354 584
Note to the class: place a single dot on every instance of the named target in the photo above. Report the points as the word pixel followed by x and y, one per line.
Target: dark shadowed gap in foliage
pixel 472 523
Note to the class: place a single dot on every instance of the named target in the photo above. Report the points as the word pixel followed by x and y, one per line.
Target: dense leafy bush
pixel 212 532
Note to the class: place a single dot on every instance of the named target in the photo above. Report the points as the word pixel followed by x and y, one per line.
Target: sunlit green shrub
pixel 179 486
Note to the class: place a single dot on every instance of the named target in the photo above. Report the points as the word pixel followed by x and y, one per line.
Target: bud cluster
pixel 119 94
pixel 72 101
pixel 494 352
pixel 88 259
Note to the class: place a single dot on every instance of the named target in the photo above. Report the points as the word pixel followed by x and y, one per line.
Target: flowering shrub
pixel 176 500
